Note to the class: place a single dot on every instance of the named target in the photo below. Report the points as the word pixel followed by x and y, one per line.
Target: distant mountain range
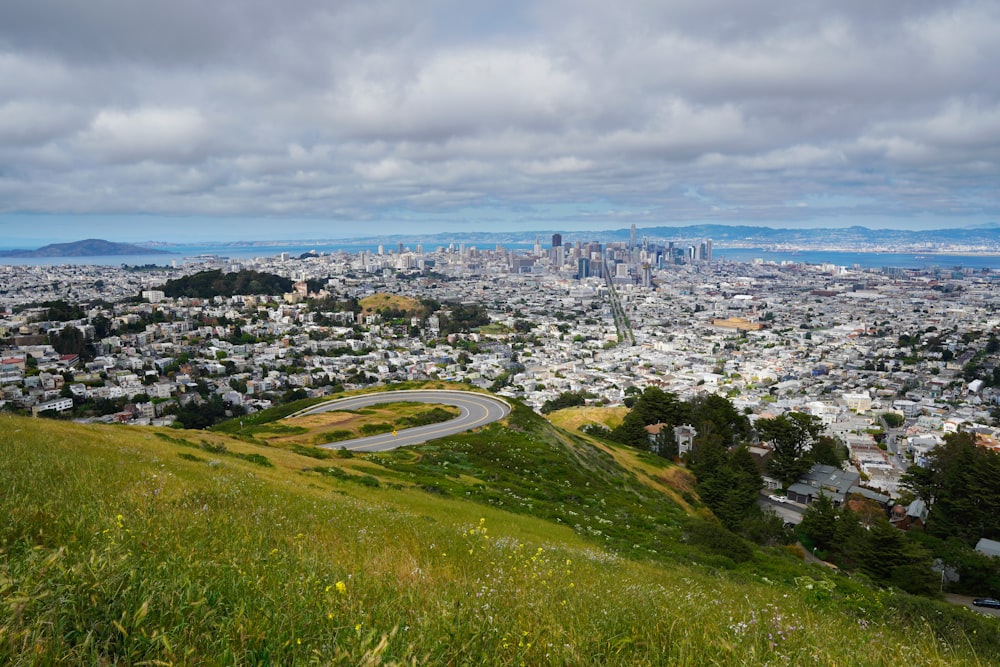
pixel 985 237
pixel 858 238
pixel 978 238
pixel 85 248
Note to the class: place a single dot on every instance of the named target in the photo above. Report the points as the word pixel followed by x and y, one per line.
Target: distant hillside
pixel 390 303
pixel 85 248
pixel 726 235
pixel 516 544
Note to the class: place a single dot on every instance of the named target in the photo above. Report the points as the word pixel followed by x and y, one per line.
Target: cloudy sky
pixel 322 118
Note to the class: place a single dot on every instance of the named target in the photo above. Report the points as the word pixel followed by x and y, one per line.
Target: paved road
pixel 790 512
pixel 966 600
pixel 475 410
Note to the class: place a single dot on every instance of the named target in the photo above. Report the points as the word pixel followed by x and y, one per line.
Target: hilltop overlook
pixel 517 543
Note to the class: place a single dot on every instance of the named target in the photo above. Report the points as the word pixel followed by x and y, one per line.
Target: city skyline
pixel 236 121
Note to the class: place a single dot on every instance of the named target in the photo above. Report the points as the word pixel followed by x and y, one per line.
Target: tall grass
pixel 114 549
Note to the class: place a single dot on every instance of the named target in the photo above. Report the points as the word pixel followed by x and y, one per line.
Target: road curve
pixel 475 410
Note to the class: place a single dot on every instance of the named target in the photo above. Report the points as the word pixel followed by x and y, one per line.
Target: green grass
pixel 115 548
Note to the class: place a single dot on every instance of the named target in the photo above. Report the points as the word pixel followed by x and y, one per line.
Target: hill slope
pixel 123 545
pixel 85 248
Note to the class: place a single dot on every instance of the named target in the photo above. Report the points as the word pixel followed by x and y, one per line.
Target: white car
pixel 777 498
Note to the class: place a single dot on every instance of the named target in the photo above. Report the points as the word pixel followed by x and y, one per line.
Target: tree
pixel 765 527
pixel 69 341
pixel 885 554
pixel 200 415
pixel 827 451
pixel 728 482
pixel 632 431
pixel 714 413
pixel 959 486
pixel 102 326
pixel 666 443
pixel 893 419
pixel 819 523
pixel 791 435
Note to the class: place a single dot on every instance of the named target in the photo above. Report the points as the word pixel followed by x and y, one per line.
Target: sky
pixel 186 120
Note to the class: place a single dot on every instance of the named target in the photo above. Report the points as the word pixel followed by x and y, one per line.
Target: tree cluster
pixel 463 318
pixel 959 485
pixel 863 539
pixel 70 340
pixel 729 482
pixel 566 399
pixel 208 284
pixel 713 417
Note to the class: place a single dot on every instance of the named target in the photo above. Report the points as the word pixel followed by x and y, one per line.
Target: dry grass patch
pixel 375 302
pixel 305 430
pixel 572 419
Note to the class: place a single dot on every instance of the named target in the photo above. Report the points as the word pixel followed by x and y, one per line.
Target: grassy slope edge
pixel 118 545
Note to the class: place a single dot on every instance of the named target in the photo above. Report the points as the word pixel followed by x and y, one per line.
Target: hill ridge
pixel 85 248
pixel 127 545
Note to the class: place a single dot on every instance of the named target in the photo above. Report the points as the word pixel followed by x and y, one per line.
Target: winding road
pixel 475 410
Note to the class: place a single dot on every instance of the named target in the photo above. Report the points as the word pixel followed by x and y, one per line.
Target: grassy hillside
pixel 518 544
pixel 380 301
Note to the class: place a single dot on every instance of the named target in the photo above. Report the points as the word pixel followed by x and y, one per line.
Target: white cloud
pixel 382 107
pixel 155 134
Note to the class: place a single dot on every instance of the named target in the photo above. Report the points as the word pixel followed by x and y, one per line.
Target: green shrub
pixel 716 540
pixel 375 428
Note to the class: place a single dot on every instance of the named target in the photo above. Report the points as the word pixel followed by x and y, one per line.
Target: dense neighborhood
pixel 841 400
pixel 889 361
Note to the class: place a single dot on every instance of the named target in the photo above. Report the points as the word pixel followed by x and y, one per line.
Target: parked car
pixel 987 602
pixel 778 499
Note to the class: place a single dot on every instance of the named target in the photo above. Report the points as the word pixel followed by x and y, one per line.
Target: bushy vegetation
pixel 435 415
pixel 566 399
pixel 117 549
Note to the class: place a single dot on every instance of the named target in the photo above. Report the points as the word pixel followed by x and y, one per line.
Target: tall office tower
pixel 420 248
pixel 702 251
pixel 381 249
pixel 708 250
pixel 631 238
pixel 399 248
pixel 538 246
pixel 556 240
pixel 583 268
pixel 558 256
